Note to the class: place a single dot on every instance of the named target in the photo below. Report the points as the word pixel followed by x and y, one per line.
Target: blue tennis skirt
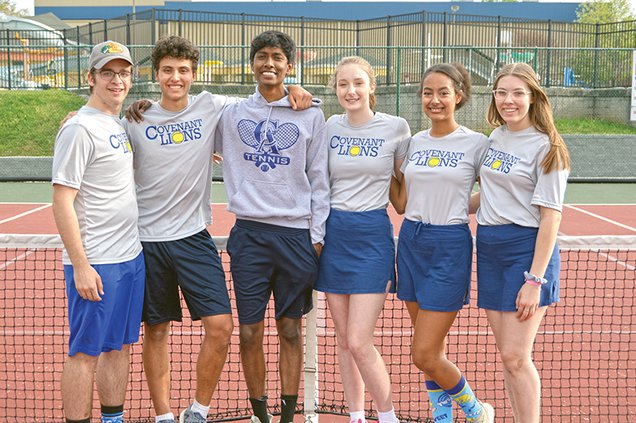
pixel 504 252
pixel 434 265
pixel 359 253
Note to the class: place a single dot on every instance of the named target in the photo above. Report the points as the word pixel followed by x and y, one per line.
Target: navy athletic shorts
pixel 266 259
pixel 192 264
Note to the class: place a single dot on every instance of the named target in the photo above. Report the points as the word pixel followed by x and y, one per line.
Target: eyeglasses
pixel 501 94
pixel 109 75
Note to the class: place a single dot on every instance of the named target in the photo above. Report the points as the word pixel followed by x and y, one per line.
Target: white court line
pixel 617 261
pixel 613 222
pixel 26 213
pixel 18 258
pixel 20 203
pixel 603 204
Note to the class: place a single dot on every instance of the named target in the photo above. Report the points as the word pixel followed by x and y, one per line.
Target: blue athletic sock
pixel 112 414
pixel 465 398
pixel 440 402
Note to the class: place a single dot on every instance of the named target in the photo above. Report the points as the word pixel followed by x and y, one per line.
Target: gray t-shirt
pixel 362 158
pixel 440 174
pixel 173 167
pixel 93 156
pixel 513 182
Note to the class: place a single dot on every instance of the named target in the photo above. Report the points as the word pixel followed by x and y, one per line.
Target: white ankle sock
pixel 356 416
pixel 387 416
pixel 201 409
pixel 167 416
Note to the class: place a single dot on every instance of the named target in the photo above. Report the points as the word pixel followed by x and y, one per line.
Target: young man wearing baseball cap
pixel 95 211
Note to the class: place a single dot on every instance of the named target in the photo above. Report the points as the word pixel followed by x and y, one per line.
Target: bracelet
pixel 534 280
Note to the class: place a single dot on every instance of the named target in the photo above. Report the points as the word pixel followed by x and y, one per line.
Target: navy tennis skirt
pixel 434 264
pixel 359 253
pixel 504 252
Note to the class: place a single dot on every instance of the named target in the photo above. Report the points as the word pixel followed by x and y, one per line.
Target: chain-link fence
pixel 595 158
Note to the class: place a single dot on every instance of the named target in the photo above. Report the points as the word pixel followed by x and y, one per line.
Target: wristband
pixel 534 280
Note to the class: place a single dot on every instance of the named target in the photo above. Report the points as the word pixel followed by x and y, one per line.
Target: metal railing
pixel 414 29
pixel 42 66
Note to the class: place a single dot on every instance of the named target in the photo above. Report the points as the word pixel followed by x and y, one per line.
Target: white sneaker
pixel 489 413
pixel 255 419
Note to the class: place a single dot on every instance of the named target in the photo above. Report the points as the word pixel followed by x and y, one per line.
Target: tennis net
pixel 584 350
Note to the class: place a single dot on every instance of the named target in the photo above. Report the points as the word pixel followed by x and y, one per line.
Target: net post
pixel 311 363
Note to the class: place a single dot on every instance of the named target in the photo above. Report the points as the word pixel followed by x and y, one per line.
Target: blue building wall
pixel 560 12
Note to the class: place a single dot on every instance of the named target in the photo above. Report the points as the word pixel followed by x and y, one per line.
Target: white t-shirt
pixel 173 167
pixel 512 180
pixel 440 174
pixel 93 155
pixel 361 160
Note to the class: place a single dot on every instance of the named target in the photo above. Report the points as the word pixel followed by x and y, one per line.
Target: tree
pixel 9 8
pixel 602 11
pixel 607 25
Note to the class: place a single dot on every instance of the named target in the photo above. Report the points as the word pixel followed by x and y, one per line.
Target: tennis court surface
pixel 584 350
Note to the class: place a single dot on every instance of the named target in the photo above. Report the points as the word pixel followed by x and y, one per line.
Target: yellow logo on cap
pixel 112 48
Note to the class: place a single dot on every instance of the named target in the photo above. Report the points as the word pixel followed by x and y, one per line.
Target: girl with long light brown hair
pixel 523 181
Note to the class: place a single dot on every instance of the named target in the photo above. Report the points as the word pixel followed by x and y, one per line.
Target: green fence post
pixel 548 67
pixel 66 69
pixel 299 71
pixel 423 42
pixel 398 82
pixel 179 20
pixel 8 60
pixel 127 29
pixel 389 39
pixel 357 38
pixel 242 48
pixel 596 35
pixel 444 37
pixel 79 67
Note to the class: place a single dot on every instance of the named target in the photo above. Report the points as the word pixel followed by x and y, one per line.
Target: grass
pixel 592 126
pixel 29 121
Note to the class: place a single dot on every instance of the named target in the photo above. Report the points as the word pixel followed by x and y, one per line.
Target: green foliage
pixel 603 11
pixel 9 8
pixel 607 68
pixel 29 120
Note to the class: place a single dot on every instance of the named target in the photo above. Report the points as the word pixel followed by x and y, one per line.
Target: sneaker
pixel 167 421
pixel 488 415
pixel 255 419
pixel 118 419
pixel 189 416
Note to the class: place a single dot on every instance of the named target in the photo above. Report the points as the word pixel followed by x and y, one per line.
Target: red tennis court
pixel 584 350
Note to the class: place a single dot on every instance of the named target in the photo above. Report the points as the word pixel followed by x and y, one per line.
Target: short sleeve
pixel 403 140
pixel 550 188
pixel 480 154
pixel 74 151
